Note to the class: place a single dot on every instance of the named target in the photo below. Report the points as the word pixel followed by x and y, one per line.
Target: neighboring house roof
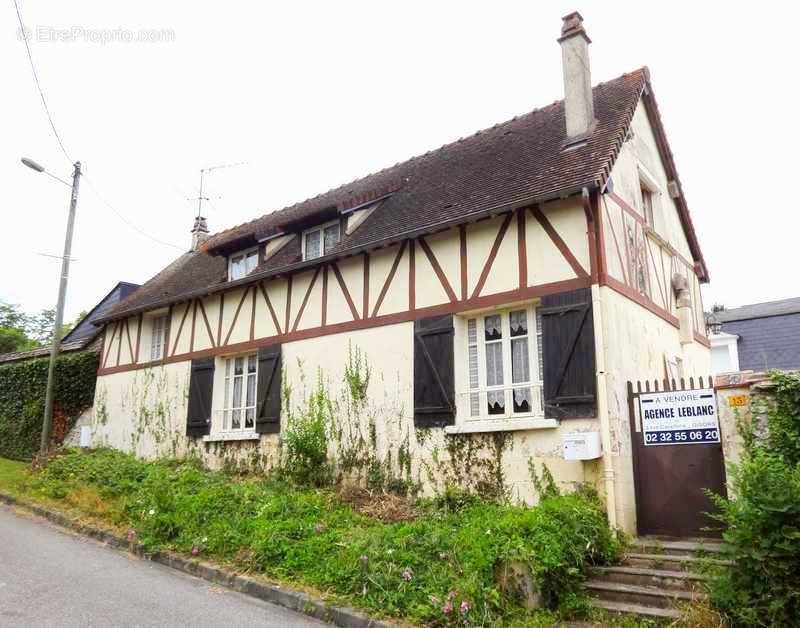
pixel 759 310
pixel 85 329
pixel 82 335
pixel 41 352
pixel 517 163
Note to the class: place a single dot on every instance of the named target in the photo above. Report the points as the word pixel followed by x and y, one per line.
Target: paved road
pixel 51 578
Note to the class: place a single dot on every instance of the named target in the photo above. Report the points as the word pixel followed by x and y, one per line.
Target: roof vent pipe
pixel 578 100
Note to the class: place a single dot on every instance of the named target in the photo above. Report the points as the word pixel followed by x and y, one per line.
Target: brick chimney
pixel 578 101
pixel 199 232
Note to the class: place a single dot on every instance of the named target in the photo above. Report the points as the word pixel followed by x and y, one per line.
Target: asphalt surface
pixel 52 578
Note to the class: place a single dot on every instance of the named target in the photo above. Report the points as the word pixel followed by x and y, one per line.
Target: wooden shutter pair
pixel 268 394
pixel 570 377
pixel 570 385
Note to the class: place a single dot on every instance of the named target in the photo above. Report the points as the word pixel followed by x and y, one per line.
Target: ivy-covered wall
pixel 22 392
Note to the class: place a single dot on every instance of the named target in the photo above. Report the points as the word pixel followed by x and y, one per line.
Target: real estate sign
pixel 684 417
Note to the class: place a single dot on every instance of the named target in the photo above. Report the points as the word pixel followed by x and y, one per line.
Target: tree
pixel 14 329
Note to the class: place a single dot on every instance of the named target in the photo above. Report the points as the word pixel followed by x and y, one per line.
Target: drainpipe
pixel 602 384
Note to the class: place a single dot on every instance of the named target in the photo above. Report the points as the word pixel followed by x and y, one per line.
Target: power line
pixel 125 220
pixel 24 32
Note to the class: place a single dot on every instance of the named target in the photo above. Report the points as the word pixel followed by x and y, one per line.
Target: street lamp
pixel 47 421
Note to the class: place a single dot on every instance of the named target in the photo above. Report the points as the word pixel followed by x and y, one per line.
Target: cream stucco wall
pixel 144 412
pixel 636 345
pixel 641 150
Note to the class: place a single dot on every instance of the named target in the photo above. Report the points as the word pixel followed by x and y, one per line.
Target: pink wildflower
pixel 464 607
pixel 451 595
pixel 364 559
pixel 407 574
pixel 131 535
pixel 447 608
pixel 195 551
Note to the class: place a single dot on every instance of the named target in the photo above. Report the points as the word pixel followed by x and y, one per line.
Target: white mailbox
pixel 581 445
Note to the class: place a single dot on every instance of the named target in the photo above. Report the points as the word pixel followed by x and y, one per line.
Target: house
pixel 501 289
pixel 756 337
pixel 23 376
pixel 85 336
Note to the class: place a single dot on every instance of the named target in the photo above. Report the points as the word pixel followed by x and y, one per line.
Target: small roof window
pixel 242 264
pixel 321 240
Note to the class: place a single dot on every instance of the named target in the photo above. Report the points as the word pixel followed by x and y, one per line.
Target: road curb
pixel 288 598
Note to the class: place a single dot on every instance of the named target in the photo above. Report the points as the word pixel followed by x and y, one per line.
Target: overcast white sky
pixel 314 94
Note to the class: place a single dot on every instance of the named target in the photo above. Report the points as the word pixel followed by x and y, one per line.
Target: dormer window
pixel 242 264
pixel 321 240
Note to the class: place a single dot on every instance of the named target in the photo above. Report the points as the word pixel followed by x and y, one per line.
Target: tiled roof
pixel 759 310
pixel 41 352
pixel 519 162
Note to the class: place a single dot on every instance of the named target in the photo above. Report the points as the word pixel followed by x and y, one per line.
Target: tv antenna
pixel 200 197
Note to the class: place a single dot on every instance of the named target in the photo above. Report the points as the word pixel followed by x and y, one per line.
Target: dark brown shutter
pixel 434 378
pixel 570 379
pixel 201 386
pixel 268 420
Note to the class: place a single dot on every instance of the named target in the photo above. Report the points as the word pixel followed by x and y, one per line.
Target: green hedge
pixel 22 393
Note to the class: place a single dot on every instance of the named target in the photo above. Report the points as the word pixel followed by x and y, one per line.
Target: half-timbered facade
pixel 508 283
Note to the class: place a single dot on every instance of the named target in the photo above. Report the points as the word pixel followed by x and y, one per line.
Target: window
pixel 647 205
pixel 502 380
pixel 321 240
pixel 239 405
pixel 242 264
pixel 157 337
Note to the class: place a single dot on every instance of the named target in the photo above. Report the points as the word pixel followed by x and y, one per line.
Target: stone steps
pixel 623 608
pixel 655 577
pixel 649 577
pixel 649 596
pixel 685 562
pixel 648 545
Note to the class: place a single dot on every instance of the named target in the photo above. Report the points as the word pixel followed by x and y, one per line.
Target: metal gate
pixel 670 479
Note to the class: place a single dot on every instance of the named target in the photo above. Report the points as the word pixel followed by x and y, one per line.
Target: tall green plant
pixel 762 520
pixel 305 439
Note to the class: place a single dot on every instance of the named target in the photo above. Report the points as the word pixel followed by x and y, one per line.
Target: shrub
pixel 22 393
pixel 414 569
pixel 762 521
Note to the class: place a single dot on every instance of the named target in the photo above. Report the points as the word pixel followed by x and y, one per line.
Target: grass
pixel 13 475
pixel 434 564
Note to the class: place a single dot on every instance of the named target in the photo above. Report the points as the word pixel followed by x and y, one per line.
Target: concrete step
pixel 701 547
pixel 686 562
pixel 637 594
pixel 646 576
pixel 623 608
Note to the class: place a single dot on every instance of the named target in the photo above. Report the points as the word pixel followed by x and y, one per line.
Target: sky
pixel 309 95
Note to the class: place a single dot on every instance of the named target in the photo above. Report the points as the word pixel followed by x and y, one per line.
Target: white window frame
pixel 321 229
pixel 224 392
pixel 243 255
pixel 158 337
pixel 466 420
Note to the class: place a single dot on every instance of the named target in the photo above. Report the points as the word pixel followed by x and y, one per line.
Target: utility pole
pixel 47 422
